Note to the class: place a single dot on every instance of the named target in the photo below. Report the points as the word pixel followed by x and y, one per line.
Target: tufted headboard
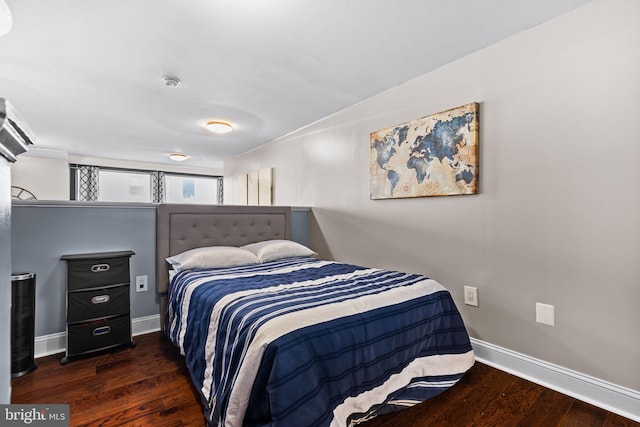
pixel 184 227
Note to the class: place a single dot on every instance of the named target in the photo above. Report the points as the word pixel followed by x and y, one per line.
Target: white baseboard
pixel 145 325
pixel 46 345
pixel 603 394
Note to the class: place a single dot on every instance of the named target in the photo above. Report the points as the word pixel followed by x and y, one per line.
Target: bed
pixel 294 340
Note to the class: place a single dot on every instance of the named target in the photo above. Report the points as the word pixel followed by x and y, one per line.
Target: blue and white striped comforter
pixel 303 342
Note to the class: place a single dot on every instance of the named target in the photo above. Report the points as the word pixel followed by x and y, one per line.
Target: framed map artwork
pixel 435 155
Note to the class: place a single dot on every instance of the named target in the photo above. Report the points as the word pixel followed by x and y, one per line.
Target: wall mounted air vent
pixel 15 134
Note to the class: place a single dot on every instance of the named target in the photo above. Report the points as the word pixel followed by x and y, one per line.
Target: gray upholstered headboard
pixel 184 227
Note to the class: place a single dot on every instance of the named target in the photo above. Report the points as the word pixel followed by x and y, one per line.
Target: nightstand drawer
pixel 98 335
pixel 96 303
pixel 91 273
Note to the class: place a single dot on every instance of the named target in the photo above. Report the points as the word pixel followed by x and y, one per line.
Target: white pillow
pixel 270 250
pixel 212 257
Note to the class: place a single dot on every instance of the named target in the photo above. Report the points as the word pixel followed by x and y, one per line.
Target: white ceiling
pixel 88 75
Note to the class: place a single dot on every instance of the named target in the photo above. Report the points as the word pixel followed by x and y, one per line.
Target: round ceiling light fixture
pixel 219 127
pixel 6 22
pixel 178 157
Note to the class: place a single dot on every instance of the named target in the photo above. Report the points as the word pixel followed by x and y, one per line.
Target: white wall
pixel 557 219
pixel 46 178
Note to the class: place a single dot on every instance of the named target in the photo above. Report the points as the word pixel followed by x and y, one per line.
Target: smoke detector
pixel 171 81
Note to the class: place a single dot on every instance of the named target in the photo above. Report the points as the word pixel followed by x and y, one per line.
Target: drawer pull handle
pixel 100 268
pixel 100 299
pixel 101 330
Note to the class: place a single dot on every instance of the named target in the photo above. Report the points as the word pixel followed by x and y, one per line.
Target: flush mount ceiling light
pixel 219 127
pixel 5 18
pixel 178 157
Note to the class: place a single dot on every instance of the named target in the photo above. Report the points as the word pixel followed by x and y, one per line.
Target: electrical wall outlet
pixel 141 284
pixel 545 314
pixel 471 296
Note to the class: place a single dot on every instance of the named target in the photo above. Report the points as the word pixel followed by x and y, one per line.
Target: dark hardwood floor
pixel 149 386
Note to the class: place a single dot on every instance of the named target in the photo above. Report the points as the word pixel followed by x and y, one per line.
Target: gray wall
pixel 300 225
pixel 5 281
pixel 557 217
pixel 42 233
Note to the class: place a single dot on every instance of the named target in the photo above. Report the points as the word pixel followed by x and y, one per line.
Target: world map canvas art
pixel 435 155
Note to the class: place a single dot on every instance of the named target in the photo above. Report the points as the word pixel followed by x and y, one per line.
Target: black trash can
pixel 23 323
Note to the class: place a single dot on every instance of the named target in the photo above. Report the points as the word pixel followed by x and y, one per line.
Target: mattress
pixel 308 342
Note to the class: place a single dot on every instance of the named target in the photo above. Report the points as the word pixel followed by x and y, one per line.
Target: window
pixel 190 189
pixel 124 186
pixel 96 183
